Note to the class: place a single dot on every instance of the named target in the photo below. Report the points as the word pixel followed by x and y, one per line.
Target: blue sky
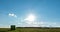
pixel 13 12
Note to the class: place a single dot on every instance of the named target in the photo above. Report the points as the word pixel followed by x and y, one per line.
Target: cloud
pixel 25 23
pixel 12 15
pixel 40 24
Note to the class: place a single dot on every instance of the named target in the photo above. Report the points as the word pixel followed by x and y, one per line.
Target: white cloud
pixel 12 15
pixel 25 23
pixel 40 24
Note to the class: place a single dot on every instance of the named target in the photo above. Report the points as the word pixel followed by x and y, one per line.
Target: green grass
pixel 30 30
pixel 4 29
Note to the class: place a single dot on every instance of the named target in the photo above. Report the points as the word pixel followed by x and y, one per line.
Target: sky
pixel 44 13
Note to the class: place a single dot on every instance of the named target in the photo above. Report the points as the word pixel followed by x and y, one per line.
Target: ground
pixel 30 30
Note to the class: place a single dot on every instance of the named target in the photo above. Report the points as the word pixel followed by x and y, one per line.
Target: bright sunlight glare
pixel 30 17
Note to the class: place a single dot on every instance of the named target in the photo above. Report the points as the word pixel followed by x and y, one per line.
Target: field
pixel 30 29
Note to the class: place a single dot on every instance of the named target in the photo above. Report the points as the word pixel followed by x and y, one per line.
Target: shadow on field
pixel 3 31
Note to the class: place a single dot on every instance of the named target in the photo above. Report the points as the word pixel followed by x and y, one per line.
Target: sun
pixel 30 18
